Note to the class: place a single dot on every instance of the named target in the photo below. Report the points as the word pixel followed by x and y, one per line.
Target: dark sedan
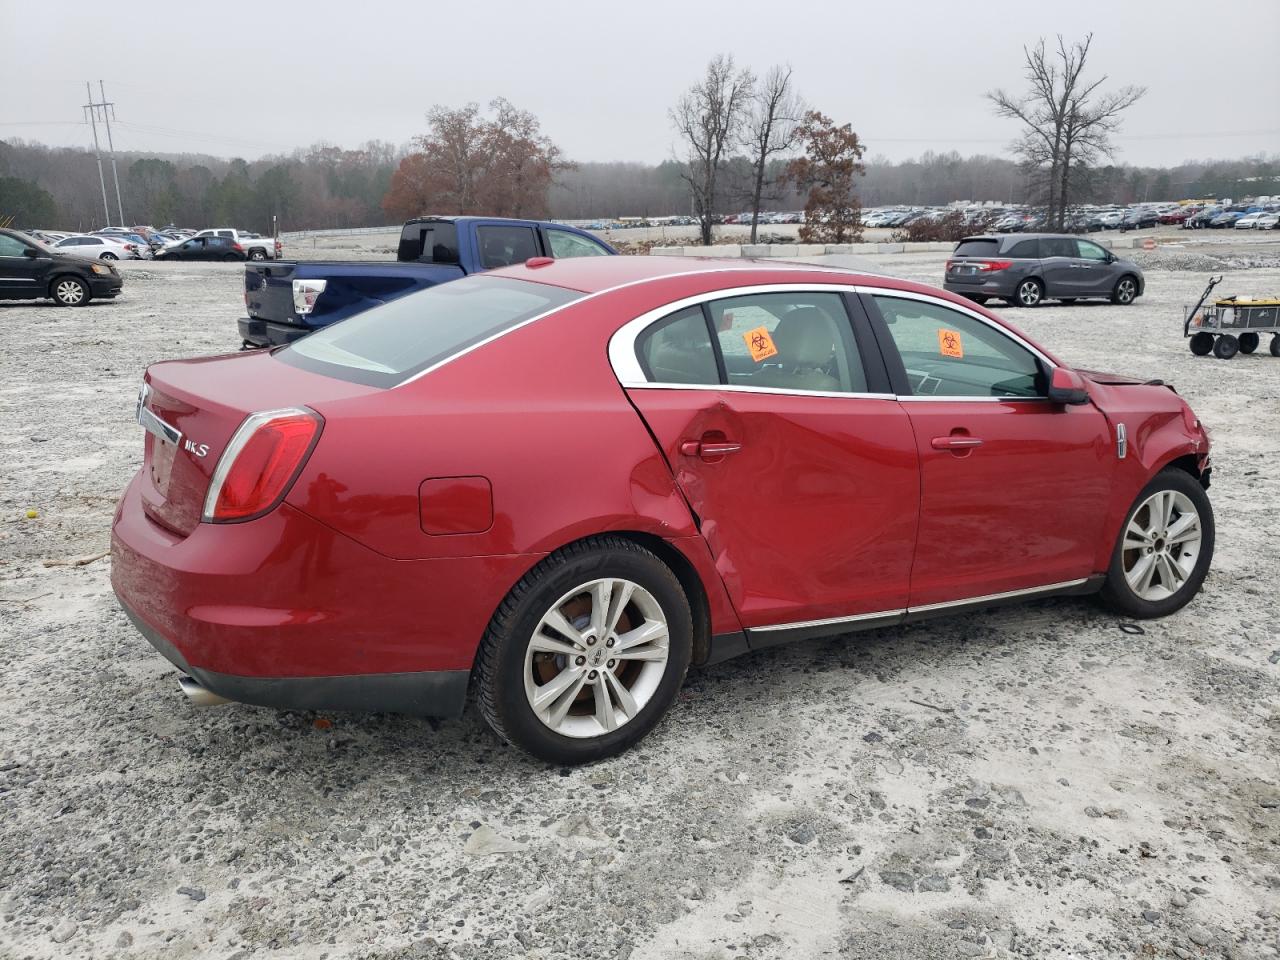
pixel 30 270
pixel 204 248
pixel 1026 269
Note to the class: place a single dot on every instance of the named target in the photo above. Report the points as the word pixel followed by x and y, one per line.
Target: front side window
pixel 565 244
pixel 789 341
pixel 1090 251
pixel 388 344
pixel 951 354
pixel 678 349
pixel 11 247
pixel 503 246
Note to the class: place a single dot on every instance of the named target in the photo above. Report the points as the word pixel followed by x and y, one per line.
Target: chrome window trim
pixel 924 608
pixel 783 391
pixel 626 363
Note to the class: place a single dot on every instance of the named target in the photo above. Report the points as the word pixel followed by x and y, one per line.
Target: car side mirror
pixel 31 252
pixel 1067 387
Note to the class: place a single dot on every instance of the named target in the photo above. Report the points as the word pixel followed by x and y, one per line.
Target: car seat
pixel 806 343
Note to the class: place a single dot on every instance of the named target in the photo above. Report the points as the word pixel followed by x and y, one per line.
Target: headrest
pixel 805 337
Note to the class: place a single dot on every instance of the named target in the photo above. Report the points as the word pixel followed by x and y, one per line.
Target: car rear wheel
pixel 586 653
pixel 1164 549
pixel 1126 291
pixel 257 255
pixel 1248 342
pixel 108 256
pixel 1275 345
pixel 977 298
pixel 69 292
pixel 1201 343
pixel 1226 347
pixel 1028 294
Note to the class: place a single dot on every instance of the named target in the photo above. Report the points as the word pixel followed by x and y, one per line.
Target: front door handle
pixel 709 449
pixel 956 443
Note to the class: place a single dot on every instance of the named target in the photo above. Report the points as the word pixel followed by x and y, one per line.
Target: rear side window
pixel 678 350
pixel 951 354
pixel 435 242
pixel 1024 250
pixel 388 344
pixel 503 246
pixel 976 248
pixel 1058 247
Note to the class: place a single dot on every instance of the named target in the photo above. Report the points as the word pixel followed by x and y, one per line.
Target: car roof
pixel 599 274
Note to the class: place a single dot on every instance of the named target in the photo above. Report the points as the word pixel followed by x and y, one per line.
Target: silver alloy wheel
pixel 109 256
pixel 69 292
pixel 1161 545
pixel 596 658
pixel 1126 290
pixel 1028 293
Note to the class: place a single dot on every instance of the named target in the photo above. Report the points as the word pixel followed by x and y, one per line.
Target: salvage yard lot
pixel 1036 781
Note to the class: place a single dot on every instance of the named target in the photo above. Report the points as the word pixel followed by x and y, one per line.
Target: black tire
pixel 1202 343
pixel 977 298
pixel 1275 345
pixel 68 291
pixel 498 679
pixel 1226 347
pixel 257 254
pixel 1126 291
pixel 1028 293
pixel 230 258
pixel 1116 592
pixel 108 256
pixel 1248 342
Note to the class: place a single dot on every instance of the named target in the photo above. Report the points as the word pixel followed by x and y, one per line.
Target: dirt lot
pixel 1032 782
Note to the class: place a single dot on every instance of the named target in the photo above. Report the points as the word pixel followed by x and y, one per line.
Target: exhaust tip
pixel 199 695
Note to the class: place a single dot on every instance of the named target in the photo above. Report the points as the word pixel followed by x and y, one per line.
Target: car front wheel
pixel 70 292
pixel 108 256
pixel 1164 549
pixel 586 653
pixel 1126 291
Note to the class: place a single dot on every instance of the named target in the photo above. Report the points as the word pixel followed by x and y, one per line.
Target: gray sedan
pixel 1026 269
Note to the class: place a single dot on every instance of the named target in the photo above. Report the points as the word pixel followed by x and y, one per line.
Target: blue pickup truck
pixel 287 299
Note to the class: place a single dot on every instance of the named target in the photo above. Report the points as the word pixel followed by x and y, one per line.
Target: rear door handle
pixel 709 449
pixel 956 443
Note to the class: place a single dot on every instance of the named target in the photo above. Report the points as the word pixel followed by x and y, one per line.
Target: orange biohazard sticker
pixel 760 344
pixel 949 344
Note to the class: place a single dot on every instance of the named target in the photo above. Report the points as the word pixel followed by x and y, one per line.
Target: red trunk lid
pixel 204 401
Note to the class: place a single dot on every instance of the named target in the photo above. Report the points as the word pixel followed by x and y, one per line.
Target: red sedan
pixel 563 483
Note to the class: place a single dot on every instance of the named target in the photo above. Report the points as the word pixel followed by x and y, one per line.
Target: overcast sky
pixel 236 79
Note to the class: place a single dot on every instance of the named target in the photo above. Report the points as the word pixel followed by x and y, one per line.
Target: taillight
pixel 237 248
pixel 992 265
pixel 260 463
pixel 306 293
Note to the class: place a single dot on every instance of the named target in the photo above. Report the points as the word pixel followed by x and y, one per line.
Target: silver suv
pixel 1025 269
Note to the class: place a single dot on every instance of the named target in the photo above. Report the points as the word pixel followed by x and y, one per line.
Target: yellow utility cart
pixel 1231 325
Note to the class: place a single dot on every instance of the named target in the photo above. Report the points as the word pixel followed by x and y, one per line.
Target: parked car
pixel 143 246
pixel 1201 220
pixel 1266 221
pixel 255 247
pixel 1178 215
pixel 1225 219
pixel 1139 219
pixel 288 300
pixel 378 516
pixel 103 248
pixel 32 270
pixel 1027 269
pixel 1111 219
pixel 203 248
pixel 1250 220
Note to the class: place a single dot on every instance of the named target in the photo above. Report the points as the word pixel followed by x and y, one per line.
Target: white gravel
pixel 1031 782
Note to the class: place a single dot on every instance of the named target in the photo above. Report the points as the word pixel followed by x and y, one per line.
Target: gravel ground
pixel 1031 782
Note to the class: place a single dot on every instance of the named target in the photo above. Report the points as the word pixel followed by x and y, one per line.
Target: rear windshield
pixel 387 345
pixel 976 248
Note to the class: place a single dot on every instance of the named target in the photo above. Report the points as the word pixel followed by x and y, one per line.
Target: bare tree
pixel 1068 121
pixel 769 130
pixel 707 118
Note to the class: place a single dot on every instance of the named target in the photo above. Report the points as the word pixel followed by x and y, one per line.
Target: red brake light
pixel 238 247
pixel 989 265
pixel 260 463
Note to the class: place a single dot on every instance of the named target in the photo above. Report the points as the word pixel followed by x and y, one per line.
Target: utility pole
pixel 93 120
pixel 109 114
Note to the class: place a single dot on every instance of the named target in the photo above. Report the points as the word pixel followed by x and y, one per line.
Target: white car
pixel 1267 221
pixel 1250 220
pixel 101 248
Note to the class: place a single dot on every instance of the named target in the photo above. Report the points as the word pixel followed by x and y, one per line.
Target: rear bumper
pixel 263 333
pixel 286 612
pixel 998 286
